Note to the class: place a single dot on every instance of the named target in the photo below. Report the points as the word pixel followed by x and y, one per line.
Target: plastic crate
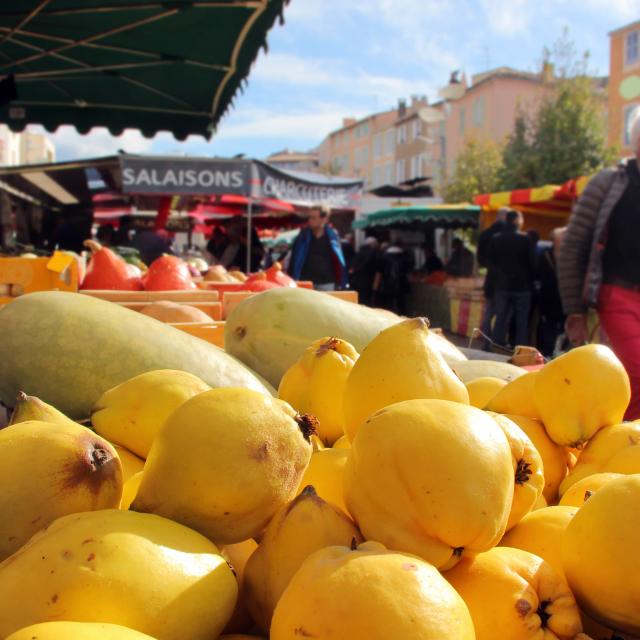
pixel 57 273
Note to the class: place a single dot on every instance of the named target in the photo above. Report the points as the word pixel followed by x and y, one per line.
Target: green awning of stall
pixel 440 215
pixel 148 65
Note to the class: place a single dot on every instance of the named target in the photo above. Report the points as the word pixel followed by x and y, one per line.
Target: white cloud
pixel 336 76
pixel 308 124
pixel 99 142
pixel 624 10
pixel 509 18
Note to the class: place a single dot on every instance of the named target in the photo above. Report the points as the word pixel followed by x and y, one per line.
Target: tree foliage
pixel 477 170
pixel 562 138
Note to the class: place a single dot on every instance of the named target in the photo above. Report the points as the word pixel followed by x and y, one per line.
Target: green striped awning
pixel 442 215
pixel 151 65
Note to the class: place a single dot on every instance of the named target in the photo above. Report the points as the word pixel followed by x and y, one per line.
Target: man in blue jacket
pixel 316 254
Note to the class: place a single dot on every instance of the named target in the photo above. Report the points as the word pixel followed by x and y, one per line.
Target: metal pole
pixel 249 234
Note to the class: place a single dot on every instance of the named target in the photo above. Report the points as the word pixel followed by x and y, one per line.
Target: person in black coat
pixel 512 255
pixel 489 281
pixel 363 270
pixel 552 316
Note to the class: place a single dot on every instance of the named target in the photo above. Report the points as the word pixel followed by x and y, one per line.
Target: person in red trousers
pixel 599 263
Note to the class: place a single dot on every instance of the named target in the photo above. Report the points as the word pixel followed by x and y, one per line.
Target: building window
pixel 462 118
pixel 402 134
pixel 415 167
pixel 377 146
pixel 416 129
pixel 478 112
pixel 632 48
pixel 388 173
pixel 400 170
pixel 389 143
pixel 361 157
pixel 629 112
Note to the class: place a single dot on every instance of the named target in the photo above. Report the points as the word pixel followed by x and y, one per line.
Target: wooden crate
pixel 219 287
pixel 232 299
pixel 213 333
pixel 348 295
pixel 58 273
pixel 212 309
pixel 188 296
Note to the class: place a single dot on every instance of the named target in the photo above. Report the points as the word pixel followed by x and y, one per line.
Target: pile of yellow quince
pixel 380 496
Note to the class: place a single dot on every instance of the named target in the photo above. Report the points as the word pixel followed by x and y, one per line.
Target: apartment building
pixel 412 145
pixel 399 145
pixel 361 147
pixel 624 83
pixel 25 147
pixel 295 160
pixel 489 107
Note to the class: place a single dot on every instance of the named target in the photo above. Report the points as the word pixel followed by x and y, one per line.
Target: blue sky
pixel 336 58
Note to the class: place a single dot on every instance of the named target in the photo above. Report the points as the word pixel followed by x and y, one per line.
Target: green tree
pixel 518 166
pixel 565 137
pixel 477 170
pixel 569 131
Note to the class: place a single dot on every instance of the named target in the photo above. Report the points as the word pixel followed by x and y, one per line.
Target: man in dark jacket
pixel 392 278
pixel 551 324
pixel 512 255
pixel 483 260
pixel 316 254
pixel 363 270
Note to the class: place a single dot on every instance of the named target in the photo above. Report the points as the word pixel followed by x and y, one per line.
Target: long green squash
pixel 270 331
pixel 68 349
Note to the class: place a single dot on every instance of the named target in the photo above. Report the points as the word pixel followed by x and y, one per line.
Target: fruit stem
pixel 330 344
pixel 523 471
pixel 100 456
pixel 93 245
pixel 308 425
pixel 542 613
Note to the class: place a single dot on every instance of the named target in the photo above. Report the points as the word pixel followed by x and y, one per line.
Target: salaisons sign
pixel 183 177
pixel 204 176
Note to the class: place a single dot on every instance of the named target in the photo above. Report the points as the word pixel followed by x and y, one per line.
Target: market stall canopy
pixel 150 65
pixel 549 198
pixel 544 208
pixel 237 181
pixel 437 215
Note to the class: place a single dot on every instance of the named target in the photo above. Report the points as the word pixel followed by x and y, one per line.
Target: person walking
pixel 391 282
pixel 551 322
pixel 316 254
pixel 599 263
pixel 512 255
pixel 489 281
pixel 363 271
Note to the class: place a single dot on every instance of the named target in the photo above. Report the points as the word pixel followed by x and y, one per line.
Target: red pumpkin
pixel 277 275
pixel 107 270
pixel 168 273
